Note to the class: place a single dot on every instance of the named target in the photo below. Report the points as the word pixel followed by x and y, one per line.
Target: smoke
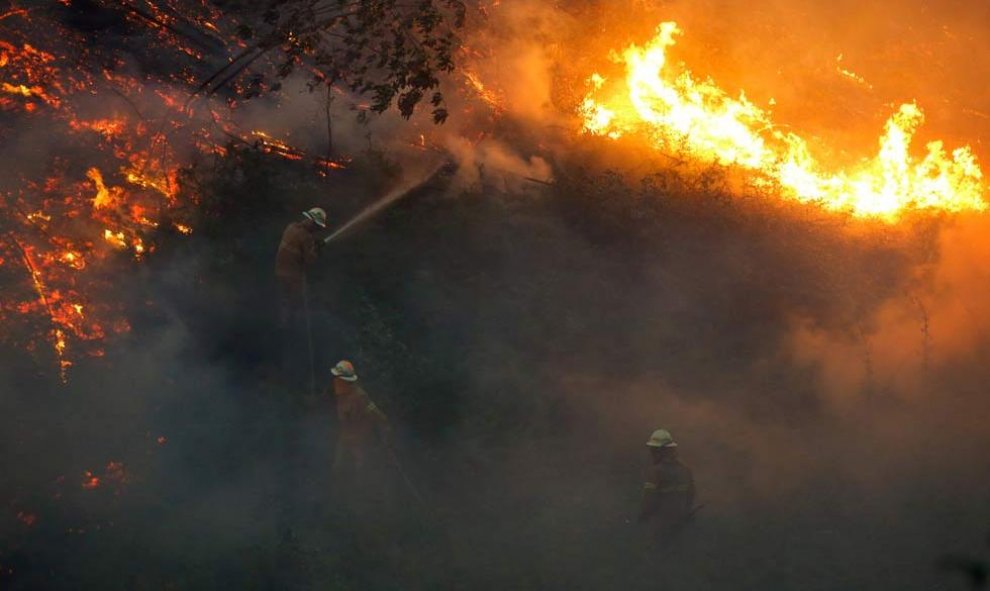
pixel 824 378
pixel 509 170
pixel 910 347
pixel 501 99
pixel 514 49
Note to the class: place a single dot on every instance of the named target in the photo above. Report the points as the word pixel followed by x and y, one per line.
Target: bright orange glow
pixel 108 128
pixel 677 111
pixel 488 95
pixel 147 174
pixel 117 239
pixel 73 260
pixel 104 197
pixel 66 228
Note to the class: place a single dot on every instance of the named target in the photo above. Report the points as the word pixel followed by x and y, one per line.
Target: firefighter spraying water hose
pixel 297 251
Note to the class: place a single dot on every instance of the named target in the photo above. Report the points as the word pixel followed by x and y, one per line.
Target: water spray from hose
pixel 397 193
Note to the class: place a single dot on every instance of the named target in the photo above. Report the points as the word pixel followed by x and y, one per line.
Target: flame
pixel 486 94
pixel 676 111
pixel 270 145
pixel 114 177
pixel 32 72
pixel 108 128
pixel 19 89
pixel 147 174
pixel 73 260
pixel 117 239
pixel 104 197
pixel 48 301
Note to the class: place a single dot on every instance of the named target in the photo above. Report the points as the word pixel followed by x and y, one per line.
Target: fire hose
pixel 394 459
pixel 309 338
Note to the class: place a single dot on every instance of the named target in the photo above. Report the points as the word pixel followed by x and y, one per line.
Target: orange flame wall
pixel 838 103
pixel 674 110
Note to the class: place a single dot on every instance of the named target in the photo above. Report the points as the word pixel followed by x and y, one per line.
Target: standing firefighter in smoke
pixel 363 436
pixel 668 488
pixel 296 252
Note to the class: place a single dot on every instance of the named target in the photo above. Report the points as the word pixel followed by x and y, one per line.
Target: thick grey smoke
pixel 824 378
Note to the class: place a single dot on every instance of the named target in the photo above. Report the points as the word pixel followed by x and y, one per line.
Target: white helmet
pixel 661 438
pixel 318 216
pixel 345 371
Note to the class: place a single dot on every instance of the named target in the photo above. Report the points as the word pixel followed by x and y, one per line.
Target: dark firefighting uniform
pixel 668 496
pixel 296 252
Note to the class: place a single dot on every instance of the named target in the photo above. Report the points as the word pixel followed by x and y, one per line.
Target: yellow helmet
pixel 345 371
pixel 318 216
pixel 661 438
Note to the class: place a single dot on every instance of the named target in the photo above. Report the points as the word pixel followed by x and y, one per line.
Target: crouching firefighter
pixel 668 489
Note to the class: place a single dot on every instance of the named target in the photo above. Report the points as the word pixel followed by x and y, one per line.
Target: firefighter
pixel 363 436
pixel 297 251
pixel 668 488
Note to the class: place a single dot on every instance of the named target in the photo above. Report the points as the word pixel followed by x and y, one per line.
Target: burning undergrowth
pixel 90 171
pixel 97 135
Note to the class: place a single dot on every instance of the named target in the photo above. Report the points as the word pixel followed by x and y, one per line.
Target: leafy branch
pixel 394 52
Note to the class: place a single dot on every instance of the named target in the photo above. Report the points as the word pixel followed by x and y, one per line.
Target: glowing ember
pixel 677 111
pixel 114 473
pixel 106 183
pixel 28 519
pixel 90 481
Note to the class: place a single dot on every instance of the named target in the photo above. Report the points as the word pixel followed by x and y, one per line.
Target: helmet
pixel 318 216
pixel 661 438
pixel 345 371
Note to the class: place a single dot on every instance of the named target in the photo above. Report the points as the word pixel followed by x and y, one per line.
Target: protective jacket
pixel 668 494
pixel 360 420
pixel 362 432
pixel 296 252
